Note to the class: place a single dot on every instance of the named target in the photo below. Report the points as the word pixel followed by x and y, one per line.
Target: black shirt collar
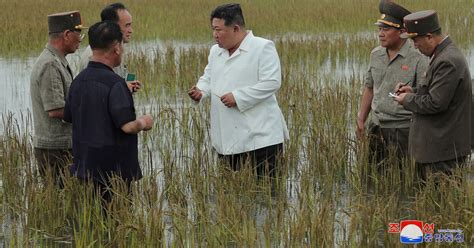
pixel 94 64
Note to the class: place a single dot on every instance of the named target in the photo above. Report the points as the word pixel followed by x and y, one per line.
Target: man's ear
pixel 236 28
pixel 117 49
pixel 66 34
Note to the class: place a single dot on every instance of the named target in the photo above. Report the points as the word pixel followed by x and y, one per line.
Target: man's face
pixel 72 40
pixel 222 34
pixel 125 23
pixel 424 44
pixel 389 37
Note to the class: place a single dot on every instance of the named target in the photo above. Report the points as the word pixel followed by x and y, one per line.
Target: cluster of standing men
pixel 241 78
pixel 419 106
pixel 98 102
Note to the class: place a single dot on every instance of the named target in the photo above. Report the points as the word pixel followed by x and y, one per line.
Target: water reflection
pixel 15 72
pixel 15 84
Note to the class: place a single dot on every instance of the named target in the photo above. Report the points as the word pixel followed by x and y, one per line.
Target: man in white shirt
pixel 242 77
pixel 117 13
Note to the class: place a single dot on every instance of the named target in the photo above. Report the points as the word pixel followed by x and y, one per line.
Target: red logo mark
pixel 393 228
pixel 405 67
pixel 428 228
pixel 416 223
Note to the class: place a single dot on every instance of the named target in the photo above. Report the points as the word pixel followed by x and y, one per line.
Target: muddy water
pixel 15 74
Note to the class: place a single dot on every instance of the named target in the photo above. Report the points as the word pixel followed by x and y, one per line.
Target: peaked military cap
pixel 59 22
pixel 392 14
pixel 420 23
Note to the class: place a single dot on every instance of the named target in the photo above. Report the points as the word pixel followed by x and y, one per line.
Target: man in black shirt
pixel 101 110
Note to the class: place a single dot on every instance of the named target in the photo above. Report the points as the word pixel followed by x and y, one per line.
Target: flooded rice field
pixel 329 193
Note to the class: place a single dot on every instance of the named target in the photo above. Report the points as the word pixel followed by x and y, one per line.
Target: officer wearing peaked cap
pixel 392 14
pixel 421 23
pixel 394 61
pixel 65 21
pixel 441 105
pixel 49 86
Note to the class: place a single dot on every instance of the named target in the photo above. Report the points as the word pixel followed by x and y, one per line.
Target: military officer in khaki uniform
pixel 394 61
pixel 49 86
pixel 441 106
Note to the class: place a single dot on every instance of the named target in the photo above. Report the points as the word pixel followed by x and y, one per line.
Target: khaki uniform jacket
pixel 50 80
pixel 441 107
pixel 408 66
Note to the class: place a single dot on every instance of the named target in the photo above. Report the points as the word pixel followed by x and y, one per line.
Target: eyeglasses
pixel 81 35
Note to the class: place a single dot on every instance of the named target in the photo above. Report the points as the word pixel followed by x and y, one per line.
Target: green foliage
pixel 24 22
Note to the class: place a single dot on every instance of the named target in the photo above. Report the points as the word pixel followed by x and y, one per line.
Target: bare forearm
pixel 56 113
pixel 144 122
pixel 133 127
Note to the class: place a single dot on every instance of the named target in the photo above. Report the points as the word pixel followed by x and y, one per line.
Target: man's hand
pixel 195 93
pixel 146 121
pixel 402 88
pixel 228 100
pixel 400 97
pixel 360 129
pixel 133 86
pixel 142 123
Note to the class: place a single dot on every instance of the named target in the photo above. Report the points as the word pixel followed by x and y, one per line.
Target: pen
pixel 403 84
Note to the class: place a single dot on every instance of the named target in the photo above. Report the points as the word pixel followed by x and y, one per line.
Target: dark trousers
pixel 53 163
pixel 443 168
pixel 264 160
pixel 104 189
pixel 384 141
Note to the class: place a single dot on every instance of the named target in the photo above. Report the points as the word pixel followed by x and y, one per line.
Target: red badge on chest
pixel 405 67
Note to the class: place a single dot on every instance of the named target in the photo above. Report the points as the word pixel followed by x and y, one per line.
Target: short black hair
pixel 103 35
pixel 109 13
pixel 231 14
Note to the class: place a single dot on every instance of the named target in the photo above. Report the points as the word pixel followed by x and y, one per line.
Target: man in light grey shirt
pixel 118 13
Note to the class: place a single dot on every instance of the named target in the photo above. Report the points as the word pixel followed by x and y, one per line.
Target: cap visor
pixel 386 24
pixel 80 27
pixel 383 25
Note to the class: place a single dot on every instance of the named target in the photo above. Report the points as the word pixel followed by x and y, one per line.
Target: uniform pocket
pixel 377 75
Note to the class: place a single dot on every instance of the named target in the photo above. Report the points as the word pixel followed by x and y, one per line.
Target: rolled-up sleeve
pixel 51 88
